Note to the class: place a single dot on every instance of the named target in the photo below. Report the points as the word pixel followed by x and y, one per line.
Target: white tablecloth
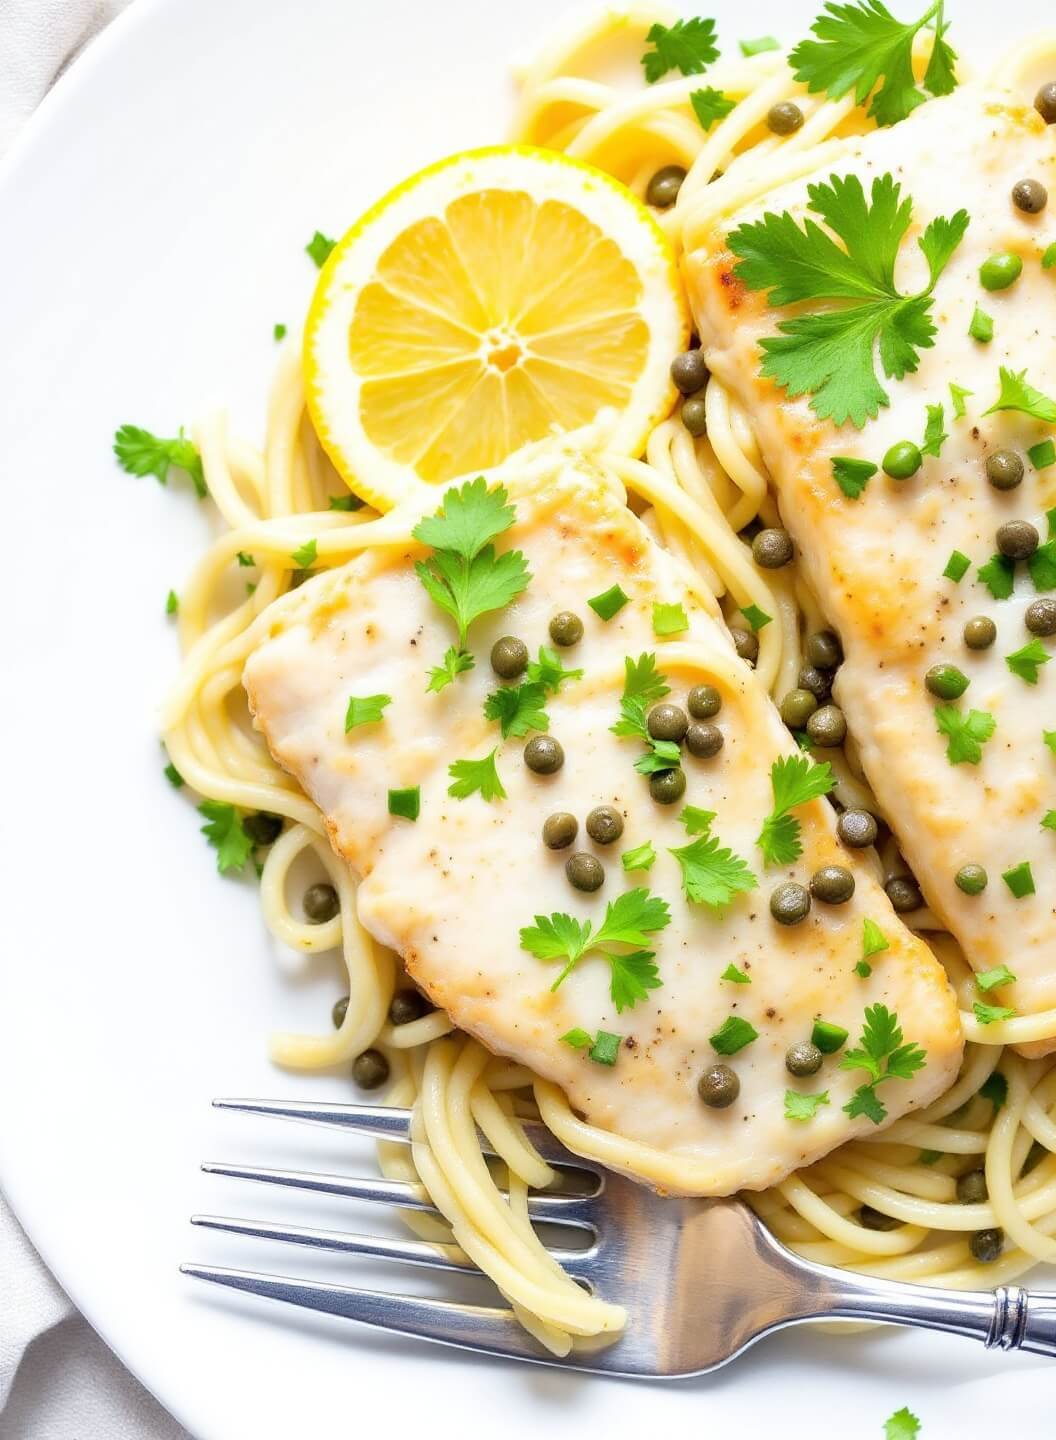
pixel 58 1381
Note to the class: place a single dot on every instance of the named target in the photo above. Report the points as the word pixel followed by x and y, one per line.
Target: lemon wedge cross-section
pixel 492 300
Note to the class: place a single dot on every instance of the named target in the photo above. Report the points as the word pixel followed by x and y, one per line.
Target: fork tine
pixel 577 1210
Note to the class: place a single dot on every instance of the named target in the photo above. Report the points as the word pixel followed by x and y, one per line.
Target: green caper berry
pixel 824 649
pixel 986 1245
pixel 704 740
pixel 320 903
pixel 1040 617
pixel 971 879
pixel 262 828
pixel 584 872
pixel 663 188
pixel 704 701
pixel 544 755
pixel 904 894
pixel 559 830
pixel 604 824
pixel 817 682
pixel 1018 539
pixel 1004 469
pixel 946 681
pixel 370 1069
pixel 667 786
pixel 746 643
pixel 871 1219
pixel 803 1059
pixel 827 727
pixel 833 884
pixel 407 1005
pixel 509 657
pixel 797 707
pixel 1045 102
pixel 772 548
pixel 1030 196
pixel 694 416
pixel 689 371
pixel 902 460
pixel 340 1010
pixel 784 118
pixel 1000 271
pixel 566 629
pixel 980 633
pixel 790 903
pixel 667 722
pixel 857 829
pixel 718 1086
pixel 972 1188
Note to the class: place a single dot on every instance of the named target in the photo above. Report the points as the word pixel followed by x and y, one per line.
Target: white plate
pixel 153 231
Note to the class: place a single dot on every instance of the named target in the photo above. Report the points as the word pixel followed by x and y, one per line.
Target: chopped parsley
pixel 629 920
pixel 609 603
pixel 965 734
pixel 711 873
pixel 365 710
pixel 794 780
pixel 991 1014
pixel 1026 661
pixel 470 776
pixel 999 576
pixel 995 1089
pixel 957 566
pixel 935 435
pixel 687 46
pixel 710 105
pixel 279 331
pixel 304 557
pixel 991 979
pixel 857 44
pixel 642 857
pixel 345 502
pixel 1048 259
pixel 981 327
pixel 549 672
pixel 757 619
pixel 759 46
pixel 407 804
pixel 830 353
pixel 863 969
pixel 828 1037
pixel 735 976
pixel 1048 820
pixel 603 1048
pixel 319 248
pixel 696 820
pixel 1042 455
pixel 1042 566
pixel 1017 395
pixel 172 603
pixel 732 1035
pixel 518 708
pixel 141 453
pixel 873 939
pixel 244 560
pixel 882 1054
pixel 669 619
pixel 852 476
pixel 173 776
pixel 902 1425
pixel 958 394
pixel 1020 879
pixel 455 662
pixel 804 1107
pixel 1048 738
pixel 224 831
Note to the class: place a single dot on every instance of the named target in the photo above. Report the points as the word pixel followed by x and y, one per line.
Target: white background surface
pixel 153 232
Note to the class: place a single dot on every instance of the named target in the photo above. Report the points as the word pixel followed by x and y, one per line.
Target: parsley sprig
pixel 883 1055
pixel 795 779
pixel 687 46
pixel 643 686
pixel 141 453
pixel 470 776
pixel 712 874
pixel 630 919
pixel 965 734
pixel 518 708
pixel 225 832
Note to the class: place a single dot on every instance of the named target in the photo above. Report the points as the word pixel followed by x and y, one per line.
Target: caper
pixel 946 681
pixel 834 884
pixel 824 649
pixel 663 188
pixel 790 903
pixel 584 871
pixel 772 548
pixel 998 272
pixel 262 828
pixel 1040 617
pixel 407 1005
pixel 971 879
pixel 784 118
pixel 370 1069
pixel 1004 469
pixel 803 1058
pixel 340 1010
pixel 1030 196
pixel 827 727
pixel 667 786
pixel 544 754
pixel 509 657
pixel 817 682
pixel 566 628
pixel 980 633
pixel 872 1219
pixel 559 830
pixel 320 903
pixel 604 824
pixel 689 371
pixel 797 707
pixel 704 701
pixel 1045 102
pixel 902 460
pixel 718 1086
pixel 1017 539
pixel 704 740
pixel 971 1188
pixel 667 722
pixel 986 1245
pixel 746 643
pixel 904 893
pixel 857 829
pixel 694 415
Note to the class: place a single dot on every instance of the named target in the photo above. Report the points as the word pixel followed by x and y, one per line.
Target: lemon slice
pixel 494 299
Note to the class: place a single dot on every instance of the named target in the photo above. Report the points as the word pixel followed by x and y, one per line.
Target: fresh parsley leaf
pixel 995 1089
pixel 304 556
pixel 1020 880
pixel 1026 661
pixel 642 857
pixel 643 685
pixel 981 327
pixel 1048 738
pixel 669 619
pixel 549 672
pixel 991 1014
pixel 902 1425
pixel 609 603
pixel 829 354
pixel 852 476
pixel 365 710
pixel 606 1048
pixel 407 804
pixel 578 1038
pixel 732 1035
pixel 244 560
pixel 173 776
pixel 664 755
pixel 863 969
pixel 991 979
pixel 857 44
pixel 319 248
pixel 1042 455
pixel 965 734
pixel 345 502
pixel 710 105
pixel 455 662
pixel 1016 394
pixel 804 1107
pixel 759 46
pixel 141 453
pixel 279 331
pixel 794 780
pixel 957 566
pixel 883 1055
pixel 711 873
pixel 828 1037
pixel 469 517
pixel 999 576
pixel 865 1101
pixel 518 708
pixel 632 917
pixel 468 776
pixel 629 920
pixel 687 46
pixel 873 939
pixel 696 821
pixel 225 833
pixel 735 976
pixel 958 394
pixel 1048 259
pixel 935 435
pixel 172 603
pixel 1042 566
pixel 757 619
pixel 634 974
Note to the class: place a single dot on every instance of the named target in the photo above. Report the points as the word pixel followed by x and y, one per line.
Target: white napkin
pixel 58 1381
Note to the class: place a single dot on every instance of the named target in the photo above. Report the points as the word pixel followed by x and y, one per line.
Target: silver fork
pixel 701 1280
